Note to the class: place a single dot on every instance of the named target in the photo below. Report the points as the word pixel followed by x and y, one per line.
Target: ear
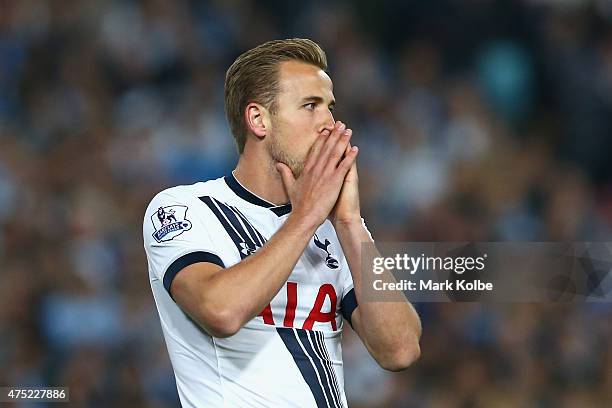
pixel 256 117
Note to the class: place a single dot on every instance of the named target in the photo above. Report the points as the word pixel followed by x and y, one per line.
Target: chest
pixel 309 299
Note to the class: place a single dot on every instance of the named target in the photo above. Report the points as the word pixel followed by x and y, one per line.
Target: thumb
pixel 286 176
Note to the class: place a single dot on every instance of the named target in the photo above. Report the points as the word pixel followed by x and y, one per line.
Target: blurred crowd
pixel 477 120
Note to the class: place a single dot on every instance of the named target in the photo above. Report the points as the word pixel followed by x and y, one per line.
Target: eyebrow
pixel 317 99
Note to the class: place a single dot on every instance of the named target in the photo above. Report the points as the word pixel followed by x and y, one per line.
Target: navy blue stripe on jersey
pixel 304 364
pixel 322 350
pixel 247 225
pixel 316 337
pixel 232 226
pixel 348 305
pixel 226 225
pixel 233 219
pixel 307 343
pixel 186 260
pixel 257 237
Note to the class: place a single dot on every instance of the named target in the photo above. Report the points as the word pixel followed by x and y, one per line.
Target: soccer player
pixel 253 273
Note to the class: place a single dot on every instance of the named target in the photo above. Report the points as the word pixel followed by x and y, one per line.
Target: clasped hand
pixel 327 188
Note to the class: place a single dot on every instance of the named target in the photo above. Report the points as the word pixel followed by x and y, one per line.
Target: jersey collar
pixel 246 195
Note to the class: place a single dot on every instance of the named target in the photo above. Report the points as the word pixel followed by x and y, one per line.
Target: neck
pixel 261 178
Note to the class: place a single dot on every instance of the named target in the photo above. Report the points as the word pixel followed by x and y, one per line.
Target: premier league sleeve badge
pixel 170 222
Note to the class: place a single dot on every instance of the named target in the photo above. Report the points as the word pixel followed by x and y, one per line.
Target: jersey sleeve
pixel 175 236
pixel 348 304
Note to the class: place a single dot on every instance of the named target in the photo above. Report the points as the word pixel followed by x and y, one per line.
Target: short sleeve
pixel 176 236
pixel 348 304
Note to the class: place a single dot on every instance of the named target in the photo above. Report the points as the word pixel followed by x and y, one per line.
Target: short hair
pixel 253 77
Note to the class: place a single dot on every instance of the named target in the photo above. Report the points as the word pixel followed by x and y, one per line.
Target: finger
pixel 348 161
pixel 353 168
pixel 315 150
pixel 286 176
pixel 346 151
pixel 348 147
pixel 330 143
pixel 339 150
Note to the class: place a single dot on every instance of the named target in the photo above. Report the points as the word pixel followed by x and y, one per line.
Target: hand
pixel 347 209
pixel 316 191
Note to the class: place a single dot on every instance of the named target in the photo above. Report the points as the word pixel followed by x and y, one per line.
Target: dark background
pixel 477 120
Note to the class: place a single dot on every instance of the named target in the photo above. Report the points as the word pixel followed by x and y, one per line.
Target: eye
pixel 332 108
pixel 310 106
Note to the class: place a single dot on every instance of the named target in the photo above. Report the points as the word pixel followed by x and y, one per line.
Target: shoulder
pixel 179 209
pixel 187 193
pixel 174 202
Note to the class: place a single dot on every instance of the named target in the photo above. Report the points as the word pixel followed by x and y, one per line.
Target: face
pixel 304 107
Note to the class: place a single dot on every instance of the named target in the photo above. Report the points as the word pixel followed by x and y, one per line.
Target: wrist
pixel 347 222
pixel 304 224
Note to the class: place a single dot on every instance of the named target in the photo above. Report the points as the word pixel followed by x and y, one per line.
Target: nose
pixel 328 122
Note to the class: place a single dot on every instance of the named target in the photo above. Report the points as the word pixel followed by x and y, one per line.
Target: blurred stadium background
pixel 477 120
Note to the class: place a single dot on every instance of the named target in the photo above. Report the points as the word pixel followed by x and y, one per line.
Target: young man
pixel 252 273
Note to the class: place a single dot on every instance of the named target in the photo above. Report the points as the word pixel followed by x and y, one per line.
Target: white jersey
pixel 288 356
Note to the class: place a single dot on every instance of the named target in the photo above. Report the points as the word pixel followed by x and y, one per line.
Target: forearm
pixel 224 300
pixel 387 328
pixel 254 281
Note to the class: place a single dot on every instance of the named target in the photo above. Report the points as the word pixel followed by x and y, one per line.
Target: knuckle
pixel 334 159
pixel 337 154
